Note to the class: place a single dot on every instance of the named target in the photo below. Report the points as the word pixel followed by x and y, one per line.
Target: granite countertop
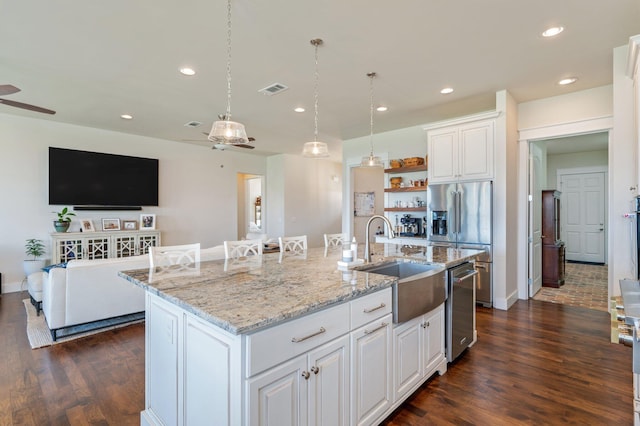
pixel 262 291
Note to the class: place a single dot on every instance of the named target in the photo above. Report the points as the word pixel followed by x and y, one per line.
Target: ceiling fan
pixel 7 89
pixel 222 146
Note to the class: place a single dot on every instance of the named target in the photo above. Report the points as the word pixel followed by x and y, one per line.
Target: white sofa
pixel 87 291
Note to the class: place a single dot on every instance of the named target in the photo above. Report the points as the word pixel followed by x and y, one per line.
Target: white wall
pixel 572 161
pixel 197 187
pixel 310 200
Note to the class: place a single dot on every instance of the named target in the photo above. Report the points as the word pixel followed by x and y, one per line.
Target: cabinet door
pixel 125 245
pixel 476 151
pixel 278 397
pixel 161 361
pixel 208 367
pixel 433 341
pixel 407 370
pixel 371 374
pixel 329 384
pixel 443 155
pixel 147 240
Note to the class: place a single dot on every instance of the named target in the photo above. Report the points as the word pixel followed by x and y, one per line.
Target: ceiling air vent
pixel 273 89
pixel 192 124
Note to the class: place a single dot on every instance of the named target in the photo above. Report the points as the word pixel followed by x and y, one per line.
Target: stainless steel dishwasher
pixel 460 308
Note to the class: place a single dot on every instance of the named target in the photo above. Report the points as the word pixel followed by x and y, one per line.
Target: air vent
pixel 192 124
pixel 273 89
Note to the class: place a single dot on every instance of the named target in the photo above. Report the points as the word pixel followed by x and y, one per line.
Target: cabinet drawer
pixel 274 345
pixel 370 307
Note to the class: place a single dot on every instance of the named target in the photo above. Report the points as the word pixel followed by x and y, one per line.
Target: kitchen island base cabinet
pixel 371 368
pixel 418 351
pixel 198 373
pixel 312 389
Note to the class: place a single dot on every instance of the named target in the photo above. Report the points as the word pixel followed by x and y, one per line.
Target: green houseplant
pixel 34 248
pixel 64 220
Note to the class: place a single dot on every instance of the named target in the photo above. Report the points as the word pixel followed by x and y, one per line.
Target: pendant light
pixel 371 160
pixel 224 131
pixel 315 149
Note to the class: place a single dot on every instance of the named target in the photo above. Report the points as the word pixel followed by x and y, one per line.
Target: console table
pixel 67 246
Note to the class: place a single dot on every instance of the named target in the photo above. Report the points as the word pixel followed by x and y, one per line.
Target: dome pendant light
pixel 371 160
pixel 315 149
pixel 224 131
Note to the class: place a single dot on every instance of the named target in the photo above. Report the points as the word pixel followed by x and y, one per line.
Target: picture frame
pixel 110 224
pixel 86 225
pixel 147 221
pixel 130 225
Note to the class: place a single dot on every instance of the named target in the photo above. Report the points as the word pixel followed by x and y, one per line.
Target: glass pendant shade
pixel 315 149
pixel 228 132
pixel 371 161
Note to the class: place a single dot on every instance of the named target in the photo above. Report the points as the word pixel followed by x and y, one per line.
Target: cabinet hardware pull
pixel 368 311
pixel 306 375
pixel 302 339
pixel 315 370
pixel 459 280
pixel 479 266
pixel 383 325
pixel 425 324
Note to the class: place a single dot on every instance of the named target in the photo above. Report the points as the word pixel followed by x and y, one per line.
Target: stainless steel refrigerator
pixel 460 215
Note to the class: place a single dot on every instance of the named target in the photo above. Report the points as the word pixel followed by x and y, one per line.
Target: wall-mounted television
pixel 87 179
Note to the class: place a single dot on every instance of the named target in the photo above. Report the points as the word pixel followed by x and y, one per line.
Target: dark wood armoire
pixel 552 247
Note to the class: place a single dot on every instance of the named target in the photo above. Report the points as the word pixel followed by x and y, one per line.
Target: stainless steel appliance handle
pixel 479 266
pixel 458 280
pixel 459 211
pixel 454 213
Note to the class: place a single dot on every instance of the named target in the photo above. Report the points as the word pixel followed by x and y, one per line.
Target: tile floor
pixel 585 285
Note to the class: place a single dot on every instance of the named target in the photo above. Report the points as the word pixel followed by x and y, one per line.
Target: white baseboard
pixel 14 287
pixel 505 303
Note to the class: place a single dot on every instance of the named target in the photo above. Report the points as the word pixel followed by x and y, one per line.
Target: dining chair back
pixel 166 256
pixel 334 240
pixel 242 248
pixel 295 244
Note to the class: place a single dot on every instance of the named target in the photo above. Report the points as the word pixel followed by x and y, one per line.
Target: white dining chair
pixel 297 244
pixel 334 240
pixel 166 256
pixel 242 248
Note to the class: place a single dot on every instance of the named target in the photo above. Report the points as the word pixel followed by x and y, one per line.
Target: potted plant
pixel 33 248
pixel 64 220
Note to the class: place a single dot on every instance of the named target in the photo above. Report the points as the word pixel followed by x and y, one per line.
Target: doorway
pixel 577 166
pixel 251 205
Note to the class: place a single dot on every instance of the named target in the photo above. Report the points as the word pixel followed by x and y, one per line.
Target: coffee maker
pixel 411 226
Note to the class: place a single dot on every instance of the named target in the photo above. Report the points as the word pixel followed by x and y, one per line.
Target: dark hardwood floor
pixel 537 364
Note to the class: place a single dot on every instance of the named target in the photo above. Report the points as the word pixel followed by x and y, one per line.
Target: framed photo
pixel 147 221
pixel 87 225
pixel 110 224
pixel 129 225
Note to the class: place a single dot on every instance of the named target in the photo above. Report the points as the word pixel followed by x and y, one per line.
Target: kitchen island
pixel 281 340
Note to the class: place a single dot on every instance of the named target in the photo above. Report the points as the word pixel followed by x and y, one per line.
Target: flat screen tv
pixel 83 178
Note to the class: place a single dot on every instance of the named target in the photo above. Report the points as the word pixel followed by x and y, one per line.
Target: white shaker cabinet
pixel 418 351
pixel 371 371
pixel 311 389
pixel 461 152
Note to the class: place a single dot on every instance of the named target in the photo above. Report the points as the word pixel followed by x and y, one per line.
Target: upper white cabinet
pixel 461 152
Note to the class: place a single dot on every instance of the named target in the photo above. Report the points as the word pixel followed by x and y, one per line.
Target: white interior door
pixel 582 215
pixel 535 218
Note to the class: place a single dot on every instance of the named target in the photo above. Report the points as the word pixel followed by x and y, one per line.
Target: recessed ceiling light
pixel 382 109
pixel 299 109
pixel 126 116
pixel 566 81
pixel 446 90
pixel 187 71
pixel 553 31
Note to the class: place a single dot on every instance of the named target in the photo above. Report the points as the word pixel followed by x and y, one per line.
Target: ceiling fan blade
pixel 7 89
pixel 250 139
pixel 26 106
pixel 244 145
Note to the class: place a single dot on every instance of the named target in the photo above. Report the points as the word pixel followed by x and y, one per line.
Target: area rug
pixel 40 336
